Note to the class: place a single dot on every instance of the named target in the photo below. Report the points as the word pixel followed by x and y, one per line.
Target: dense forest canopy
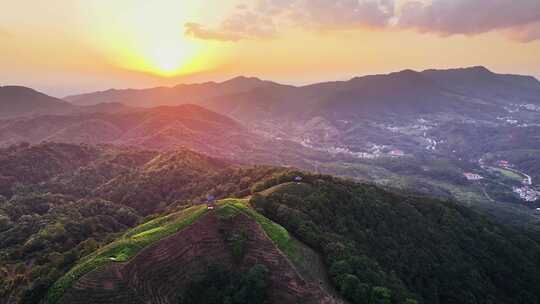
pixel 431 250
pixel 61 202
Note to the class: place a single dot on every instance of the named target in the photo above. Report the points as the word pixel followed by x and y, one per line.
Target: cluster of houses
pixel 504 163
pixel 517 107
pixel 375 151
pixel 527 194
pixel 508 120
pixel 397 153
pixel 472 176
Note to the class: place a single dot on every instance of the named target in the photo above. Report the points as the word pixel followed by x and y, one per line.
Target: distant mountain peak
pixel 18 101
pixel 404 74
pixel 479 68
pixel 16 93
pixel 13 89
pixel 408 73
pixel 243 79
pixel 473 69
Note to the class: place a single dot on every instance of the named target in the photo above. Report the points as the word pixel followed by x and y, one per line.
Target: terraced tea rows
pixel 102 285
pixel 161 271
pixel 164 268
pixel 126 247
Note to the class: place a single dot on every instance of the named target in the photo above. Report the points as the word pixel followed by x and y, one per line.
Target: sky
pixel 64 47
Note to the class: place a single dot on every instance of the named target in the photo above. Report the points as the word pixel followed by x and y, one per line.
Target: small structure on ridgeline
pixel 210 201
pixel 298 179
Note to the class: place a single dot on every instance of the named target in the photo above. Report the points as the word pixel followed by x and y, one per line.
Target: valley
pixel 413 131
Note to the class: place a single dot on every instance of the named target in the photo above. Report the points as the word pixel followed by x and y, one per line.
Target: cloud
pixel 199 31
pixel 266 17
pixel 239 26
pixel 342 14
pixel 525 33
pixel 250 25
pixel 519 19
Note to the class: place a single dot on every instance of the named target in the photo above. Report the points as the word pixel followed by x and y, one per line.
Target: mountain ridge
pixel 19 100
pixel 259 82
pixel 246 97
pixel 251 99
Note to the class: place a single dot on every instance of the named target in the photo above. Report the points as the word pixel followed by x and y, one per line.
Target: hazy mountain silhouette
pixel 248 99
pixel 182 93
pixel 18 101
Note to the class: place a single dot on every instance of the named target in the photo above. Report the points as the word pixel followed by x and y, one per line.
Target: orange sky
pixel 67 46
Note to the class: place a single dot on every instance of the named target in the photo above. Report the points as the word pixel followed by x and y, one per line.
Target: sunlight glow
pixel 170 57
pixel 161 49
pixel 150 38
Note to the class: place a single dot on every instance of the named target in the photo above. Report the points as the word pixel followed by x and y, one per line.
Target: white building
pixel 397 152
pixel 472 176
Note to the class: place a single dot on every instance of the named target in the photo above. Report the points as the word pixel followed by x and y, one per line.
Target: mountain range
pixel 405 130
pixel 220 193
pixel 407 91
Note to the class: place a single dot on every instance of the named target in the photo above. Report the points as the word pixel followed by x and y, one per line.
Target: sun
pixel 150 38
pixel 163 55
pixel 141 37
pixel 170 57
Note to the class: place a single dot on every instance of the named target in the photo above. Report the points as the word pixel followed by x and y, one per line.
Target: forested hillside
pixel 376 241
pixel 59 202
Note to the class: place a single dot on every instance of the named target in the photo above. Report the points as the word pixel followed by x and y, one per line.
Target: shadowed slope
pixel 162 272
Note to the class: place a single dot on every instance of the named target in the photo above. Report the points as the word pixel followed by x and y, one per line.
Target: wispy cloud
pixel 243 24
pixel 525 33
pixel 267 17
pixel 519 20
pixel 199 31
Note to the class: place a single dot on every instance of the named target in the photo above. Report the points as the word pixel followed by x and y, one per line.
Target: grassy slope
pixel 279 235
pixel 306 261
pixel 127 247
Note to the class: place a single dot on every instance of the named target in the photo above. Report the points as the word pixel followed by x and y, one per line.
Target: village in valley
pixel 373 156
pixel 525 190
pixel 527 193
